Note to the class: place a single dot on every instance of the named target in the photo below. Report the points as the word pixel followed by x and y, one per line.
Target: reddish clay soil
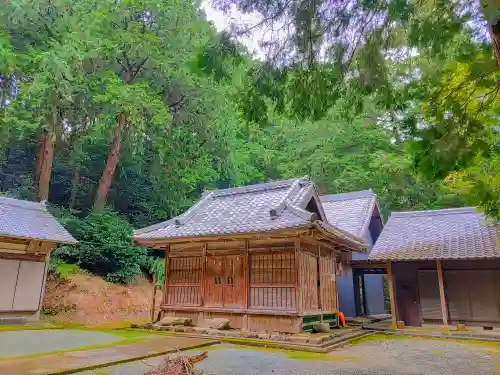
pixel 89 299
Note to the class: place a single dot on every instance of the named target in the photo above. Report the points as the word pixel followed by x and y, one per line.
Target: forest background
pixel 120 113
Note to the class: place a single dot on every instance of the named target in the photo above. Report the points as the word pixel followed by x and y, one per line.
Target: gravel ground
pixel 19 343
pixel 376 356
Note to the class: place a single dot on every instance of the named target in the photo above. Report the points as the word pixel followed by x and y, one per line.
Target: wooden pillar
pixel 203 273
pixel 153 300
pixel 320 287
pixel 247 276
pixel 167 267
pixel 298 294
pixel 390 281
pixel 442 295
pixel 357 294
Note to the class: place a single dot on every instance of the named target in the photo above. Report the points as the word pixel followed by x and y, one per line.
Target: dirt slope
pixel 89 299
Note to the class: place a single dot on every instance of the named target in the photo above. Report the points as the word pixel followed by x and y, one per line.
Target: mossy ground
pixel 123 337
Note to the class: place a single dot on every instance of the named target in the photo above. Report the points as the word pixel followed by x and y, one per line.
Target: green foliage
pixel 400 97
pixel 104 247
pixel 63 271
pixel 158 269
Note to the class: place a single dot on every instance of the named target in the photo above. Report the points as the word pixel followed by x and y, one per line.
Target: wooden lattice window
pixel 185 270
pixel 274 268
pixel 272 281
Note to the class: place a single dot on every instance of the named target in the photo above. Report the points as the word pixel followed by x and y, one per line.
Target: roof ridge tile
pixel 444 211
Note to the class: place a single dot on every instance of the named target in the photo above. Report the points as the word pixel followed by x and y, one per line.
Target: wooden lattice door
pixel 213 281
pixel 233 283
pixel 225 282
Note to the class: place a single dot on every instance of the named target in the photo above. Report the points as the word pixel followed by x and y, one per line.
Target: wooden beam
pixel 390 281
pixel 442 295
pixel 277 234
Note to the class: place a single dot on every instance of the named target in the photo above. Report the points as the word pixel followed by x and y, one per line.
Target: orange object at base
pixel 342 319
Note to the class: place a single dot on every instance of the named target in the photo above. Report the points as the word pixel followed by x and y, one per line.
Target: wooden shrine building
pixel 264 256
pixel 443 268
pixel 28 232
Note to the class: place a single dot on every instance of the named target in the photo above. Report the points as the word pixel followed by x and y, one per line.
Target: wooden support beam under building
pixel 390 282
pixel 442 295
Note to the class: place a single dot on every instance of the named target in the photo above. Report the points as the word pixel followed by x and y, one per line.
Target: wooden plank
pixel 15 245
pixel 390 281
pixel 442 295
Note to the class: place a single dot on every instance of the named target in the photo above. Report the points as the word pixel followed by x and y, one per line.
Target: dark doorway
pixel 408 309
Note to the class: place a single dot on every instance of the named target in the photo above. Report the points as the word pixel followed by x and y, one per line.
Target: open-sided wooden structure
pixel 263 256
pixel 27 235
pixel 443 267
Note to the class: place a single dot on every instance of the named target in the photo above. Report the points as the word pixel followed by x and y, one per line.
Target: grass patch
pixel 124 337
pixel 125 333
pixel 64 271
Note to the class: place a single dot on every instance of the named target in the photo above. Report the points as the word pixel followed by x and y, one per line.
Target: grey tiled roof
pixel 249 209
pixel 30 220
pixel 457 233
pixel 350 211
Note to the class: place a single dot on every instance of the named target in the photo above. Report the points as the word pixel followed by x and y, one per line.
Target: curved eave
pixel 338 235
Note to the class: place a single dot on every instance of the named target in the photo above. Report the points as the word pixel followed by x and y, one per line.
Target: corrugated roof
pixel 249 209
pixel 457 233
pixel 30 220
pixel 350 211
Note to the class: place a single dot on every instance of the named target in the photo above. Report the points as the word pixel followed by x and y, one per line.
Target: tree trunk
pixel 491 13
pixel 111 163
pixel 75 184
pixel 495 36
pixel 45 158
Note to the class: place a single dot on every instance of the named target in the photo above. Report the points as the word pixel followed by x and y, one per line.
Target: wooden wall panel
pixel 272 280
pixel 269 297
pixel 428 289
pixel 183 295
pixel 185 270
pixel 184 281
pixel 308 281
pixel 274 268
pixel 328 286
pixel 290 324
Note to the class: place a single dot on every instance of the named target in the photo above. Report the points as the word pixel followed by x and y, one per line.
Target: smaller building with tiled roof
pixel 443 267
pixel 456 233
pixel 28 232
pixel 30 220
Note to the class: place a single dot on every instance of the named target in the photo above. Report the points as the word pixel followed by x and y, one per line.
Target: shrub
pixel 105 247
